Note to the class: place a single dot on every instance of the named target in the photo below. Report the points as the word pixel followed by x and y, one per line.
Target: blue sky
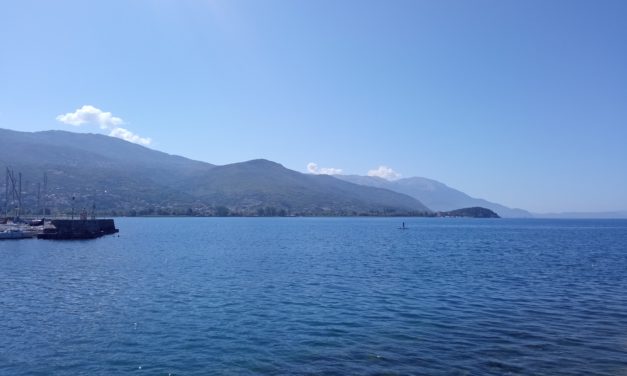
pixel 519 102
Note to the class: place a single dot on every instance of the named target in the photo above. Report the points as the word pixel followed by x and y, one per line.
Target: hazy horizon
pixel 519 103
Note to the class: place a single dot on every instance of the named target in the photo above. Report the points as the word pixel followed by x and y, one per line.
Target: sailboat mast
pixel 6 193
pixel 45 193
pixel 19 196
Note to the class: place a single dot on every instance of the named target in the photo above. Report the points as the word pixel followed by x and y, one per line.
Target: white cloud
pixel 385 173
pixel 314 169
pixel 90 115
pixel 127 135
pixel 105 120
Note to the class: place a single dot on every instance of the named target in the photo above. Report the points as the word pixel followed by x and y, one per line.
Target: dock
pixel 70 229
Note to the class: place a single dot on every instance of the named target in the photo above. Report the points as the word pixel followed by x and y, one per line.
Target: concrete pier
pixel 67 229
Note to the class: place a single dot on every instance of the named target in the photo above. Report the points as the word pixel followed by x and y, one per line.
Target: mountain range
pixel 119 177
pixel 122 178
pixel 435 195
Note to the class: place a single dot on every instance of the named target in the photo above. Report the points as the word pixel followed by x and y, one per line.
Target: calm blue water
pixel 321 296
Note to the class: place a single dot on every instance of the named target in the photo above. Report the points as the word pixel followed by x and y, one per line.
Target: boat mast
pixel 6 193
pixel 19 196
pixel 43 214
pixel 13 189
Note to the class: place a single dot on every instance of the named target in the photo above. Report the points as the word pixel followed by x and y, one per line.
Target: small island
pixel 474 212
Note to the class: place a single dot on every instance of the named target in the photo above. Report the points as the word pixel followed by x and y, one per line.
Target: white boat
pixel 16 234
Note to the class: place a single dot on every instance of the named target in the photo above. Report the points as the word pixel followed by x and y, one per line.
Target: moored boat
pixel 12 234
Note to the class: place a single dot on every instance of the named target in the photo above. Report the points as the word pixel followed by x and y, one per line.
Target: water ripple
pixel 320 296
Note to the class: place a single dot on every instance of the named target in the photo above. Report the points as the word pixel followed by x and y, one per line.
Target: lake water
pixel 196 296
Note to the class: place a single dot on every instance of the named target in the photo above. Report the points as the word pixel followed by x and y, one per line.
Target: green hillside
pixel 122 178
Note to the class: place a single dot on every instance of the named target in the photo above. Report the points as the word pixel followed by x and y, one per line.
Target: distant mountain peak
pixel 261 162
pixel 434 194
